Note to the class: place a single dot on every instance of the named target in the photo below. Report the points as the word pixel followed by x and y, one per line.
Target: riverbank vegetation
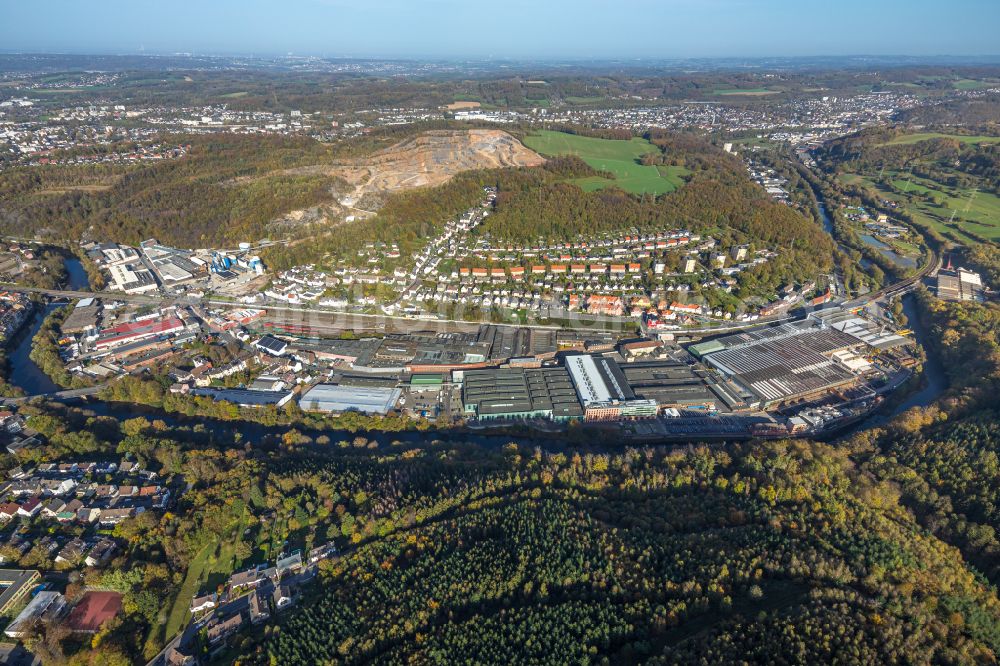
pixel 150 391
pixel 7 390
pixel 45 271
pixel 45 351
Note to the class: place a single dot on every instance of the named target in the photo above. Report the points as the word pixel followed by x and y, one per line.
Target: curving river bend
pixel 30 378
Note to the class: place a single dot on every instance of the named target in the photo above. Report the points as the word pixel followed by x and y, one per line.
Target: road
pixel 901 287
pixel 64 395
pixel 316 317
pixel 344 320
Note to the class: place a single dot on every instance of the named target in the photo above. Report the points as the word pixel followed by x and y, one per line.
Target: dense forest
pixel 227 188
pixel 944 458
pixel 769 553
pixel 777 552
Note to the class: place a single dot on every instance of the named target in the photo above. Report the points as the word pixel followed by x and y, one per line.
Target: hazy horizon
pixel 519 30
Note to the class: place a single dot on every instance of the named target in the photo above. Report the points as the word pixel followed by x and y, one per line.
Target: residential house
pixel 204 603
pixel 250 578
pixel 72 552
pixel 8 511
pixel 223 629
pixel 111 517
pixel 88 514
pixel 101 553
pixel 30 508
pixel 258 608
pixel 282 597
pixel 53 507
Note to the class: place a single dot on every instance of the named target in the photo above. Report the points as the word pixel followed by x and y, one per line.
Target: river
pixel 934 377
pixel 827 223
pixel 824 217
pixel 886 251
pixel 23 371
pixel 76 275
pixel 29 377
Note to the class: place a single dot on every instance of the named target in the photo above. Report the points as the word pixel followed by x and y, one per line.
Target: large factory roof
pixel 782 366
pixel 335 398
pixel 597 379
pixel 670 383
pixel 863 330
pixel 518 390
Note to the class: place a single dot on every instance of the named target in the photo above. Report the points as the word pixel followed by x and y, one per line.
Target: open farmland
pixel 953 212
pixel 756 92
pixel 927 136
pixel 620 158
pixel 973 84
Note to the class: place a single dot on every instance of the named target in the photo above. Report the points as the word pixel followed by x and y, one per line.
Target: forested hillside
pixel 190 201
pixel 944 458
pixel 719 200
pixel 226 188
pixel 772 553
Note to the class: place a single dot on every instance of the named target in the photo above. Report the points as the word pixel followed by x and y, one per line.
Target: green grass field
pixel 574 99
pixel 907 186
pixel 924 136
pixel 972 84
pixel 674 174
pixel 950 211
pixel 745 91
pixel 212 564
pixel 66 91
pixel 617 157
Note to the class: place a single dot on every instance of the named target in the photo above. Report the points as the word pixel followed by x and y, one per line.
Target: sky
pixel 516 29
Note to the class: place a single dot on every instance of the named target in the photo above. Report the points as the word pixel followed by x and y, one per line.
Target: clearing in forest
pixel 620 158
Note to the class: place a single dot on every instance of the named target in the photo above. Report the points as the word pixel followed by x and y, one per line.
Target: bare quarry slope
pixel 425 160
pixel 432 158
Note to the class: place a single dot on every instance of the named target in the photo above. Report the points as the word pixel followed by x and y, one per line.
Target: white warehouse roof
pixel 334 398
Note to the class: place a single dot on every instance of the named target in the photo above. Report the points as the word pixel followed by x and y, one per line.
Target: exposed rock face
pixel 432 158
pixel 425 160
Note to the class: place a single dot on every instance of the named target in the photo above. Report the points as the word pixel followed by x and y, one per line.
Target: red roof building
pixel 139 330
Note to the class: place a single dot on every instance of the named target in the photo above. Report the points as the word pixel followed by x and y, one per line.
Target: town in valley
pixel 598 359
